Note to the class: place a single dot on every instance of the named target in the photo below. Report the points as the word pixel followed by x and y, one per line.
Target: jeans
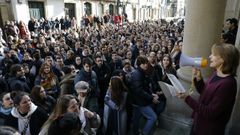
pixel 148 113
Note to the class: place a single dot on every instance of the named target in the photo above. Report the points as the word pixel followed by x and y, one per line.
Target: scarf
pixel 5 111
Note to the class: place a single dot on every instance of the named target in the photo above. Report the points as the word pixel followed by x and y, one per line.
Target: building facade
pixel 136 10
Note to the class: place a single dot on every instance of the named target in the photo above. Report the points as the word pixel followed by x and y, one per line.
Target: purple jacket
pixel 214 107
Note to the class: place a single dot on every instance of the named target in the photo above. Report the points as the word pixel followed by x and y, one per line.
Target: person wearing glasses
pixel 86 98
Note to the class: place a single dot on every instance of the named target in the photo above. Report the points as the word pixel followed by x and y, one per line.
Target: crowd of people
pixel 57 78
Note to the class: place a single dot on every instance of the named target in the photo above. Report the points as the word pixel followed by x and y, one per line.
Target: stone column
pixel 202 29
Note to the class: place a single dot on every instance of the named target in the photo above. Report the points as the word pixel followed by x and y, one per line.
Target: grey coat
pixel 119 114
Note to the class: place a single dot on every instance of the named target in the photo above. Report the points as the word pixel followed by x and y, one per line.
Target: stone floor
pixel 161 132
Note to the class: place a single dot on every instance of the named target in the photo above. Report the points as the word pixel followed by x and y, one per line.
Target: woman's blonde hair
pixel 230 55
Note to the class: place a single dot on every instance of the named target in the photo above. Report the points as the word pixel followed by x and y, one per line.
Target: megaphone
pixel 189 61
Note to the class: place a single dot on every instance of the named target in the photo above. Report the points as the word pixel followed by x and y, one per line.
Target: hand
pixel 176 47
pixel 196 73
pixel 182 95
pixel 88 114
pixel 159 93
pixel 155 98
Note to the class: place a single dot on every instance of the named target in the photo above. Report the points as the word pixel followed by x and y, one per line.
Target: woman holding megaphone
pixel 213 109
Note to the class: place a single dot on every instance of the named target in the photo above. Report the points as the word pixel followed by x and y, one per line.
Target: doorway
pixel 70 10
pixel 36 9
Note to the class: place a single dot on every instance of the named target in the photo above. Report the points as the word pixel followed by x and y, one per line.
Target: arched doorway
pixel 88 8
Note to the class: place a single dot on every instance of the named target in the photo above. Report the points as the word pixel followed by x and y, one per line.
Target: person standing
pixel 212 111
pixel 6 105
pixel 103 73
pixel 86 98
pixel 88 75
pixel 25 116
pixel 115 113
pixel 17 81
pixel 142 97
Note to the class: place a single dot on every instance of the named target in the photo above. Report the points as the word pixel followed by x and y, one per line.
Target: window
pixel 88 8
pixel 36 9
pixel 111 9
pixel 70 10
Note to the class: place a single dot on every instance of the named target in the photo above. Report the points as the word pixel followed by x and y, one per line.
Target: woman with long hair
pixel 115 114
pixel 48 80
pixel 23 30
pixel 167 68
pixel 70 104
pixel 41 99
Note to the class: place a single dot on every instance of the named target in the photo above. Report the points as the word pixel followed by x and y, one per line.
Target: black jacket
pixel 140 88
pixel 36 121
pixel 103 75
pixel 18 84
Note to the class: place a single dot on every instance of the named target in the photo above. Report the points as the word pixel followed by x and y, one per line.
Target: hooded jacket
pixel 34 118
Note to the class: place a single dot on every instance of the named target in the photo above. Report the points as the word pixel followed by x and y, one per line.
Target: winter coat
pixel 140 88
pixel 115 118
pixel 90 78
pixel 91 103
pixel 4 113
pixel 18 84
pixel 67 84
pixel 35 119
pixel 212 111
pixel 89 125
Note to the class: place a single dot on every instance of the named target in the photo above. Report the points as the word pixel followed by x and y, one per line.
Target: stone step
pixel 161 132
pixel 175 123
